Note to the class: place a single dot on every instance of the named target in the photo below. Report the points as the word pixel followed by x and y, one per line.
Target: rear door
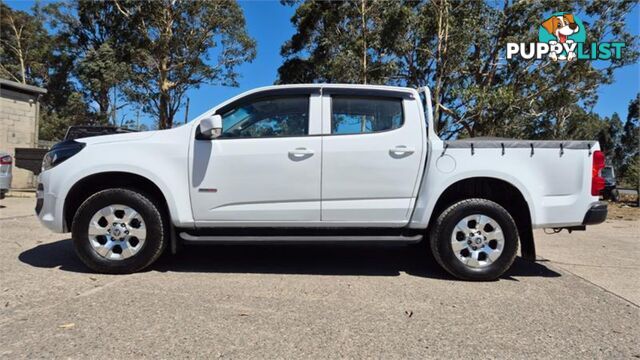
pixel 372 152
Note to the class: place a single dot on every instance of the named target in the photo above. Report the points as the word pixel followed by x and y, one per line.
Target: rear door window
pixel 360 115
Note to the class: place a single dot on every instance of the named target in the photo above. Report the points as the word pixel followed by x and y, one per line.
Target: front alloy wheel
pixel 119 231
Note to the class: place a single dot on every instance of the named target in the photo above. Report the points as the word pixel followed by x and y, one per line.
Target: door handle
pixel 402 149
pixel 300 152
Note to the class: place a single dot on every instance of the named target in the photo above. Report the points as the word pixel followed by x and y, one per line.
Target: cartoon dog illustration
pixel 561 26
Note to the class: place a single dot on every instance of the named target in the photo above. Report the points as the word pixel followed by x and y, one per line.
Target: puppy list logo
pixel 562 37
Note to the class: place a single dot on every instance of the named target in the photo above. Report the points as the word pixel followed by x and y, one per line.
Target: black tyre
pixel 119 231
pixel 474 239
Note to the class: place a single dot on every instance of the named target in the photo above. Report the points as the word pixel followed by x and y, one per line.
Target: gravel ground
pixel 623 211
pixel 580 301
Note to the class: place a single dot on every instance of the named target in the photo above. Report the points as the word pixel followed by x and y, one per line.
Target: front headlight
pixel 61 152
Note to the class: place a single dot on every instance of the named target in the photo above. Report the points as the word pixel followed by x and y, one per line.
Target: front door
pixel 263 169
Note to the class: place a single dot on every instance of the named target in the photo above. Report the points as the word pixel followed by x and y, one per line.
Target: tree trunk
pixel 441 58
pixel 18 50
pixel 165 121
pixel 103 107
pixel 166 117
pixel 364 42
pixel 114 107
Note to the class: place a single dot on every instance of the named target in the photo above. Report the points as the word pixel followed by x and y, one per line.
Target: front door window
pixel 271 117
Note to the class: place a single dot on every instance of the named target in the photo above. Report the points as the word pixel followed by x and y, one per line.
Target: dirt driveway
pixel 581 300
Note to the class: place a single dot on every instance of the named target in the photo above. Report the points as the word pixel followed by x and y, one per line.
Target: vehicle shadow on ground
pixel 58 254
pixel 365 260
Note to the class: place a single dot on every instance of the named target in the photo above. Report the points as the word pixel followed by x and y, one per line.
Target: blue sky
pixel 268 22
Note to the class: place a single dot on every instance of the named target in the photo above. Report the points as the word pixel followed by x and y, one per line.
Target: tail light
pixel 5 160
pixel 597 182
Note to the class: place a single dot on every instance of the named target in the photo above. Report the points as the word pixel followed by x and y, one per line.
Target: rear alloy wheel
pixel 119 231
pixel 475 239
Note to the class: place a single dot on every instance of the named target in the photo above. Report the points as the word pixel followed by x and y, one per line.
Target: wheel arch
pixel 91 184
pixel 499 191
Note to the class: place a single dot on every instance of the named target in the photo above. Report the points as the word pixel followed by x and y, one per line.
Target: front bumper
pixel 596 214
pixel 47 210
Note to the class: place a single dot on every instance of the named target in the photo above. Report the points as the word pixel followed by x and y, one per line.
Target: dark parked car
pixel 76 132
pixel 31 158
pixel 609 177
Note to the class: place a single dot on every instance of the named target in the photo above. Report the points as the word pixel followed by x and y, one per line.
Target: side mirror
pixel 211 127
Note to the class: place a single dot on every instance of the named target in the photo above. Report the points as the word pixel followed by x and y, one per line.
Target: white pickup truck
pixel 317 163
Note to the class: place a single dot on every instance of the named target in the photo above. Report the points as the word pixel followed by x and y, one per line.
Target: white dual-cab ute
pixel 317 163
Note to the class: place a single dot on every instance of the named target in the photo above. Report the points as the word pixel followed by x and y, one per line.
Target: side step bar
pixel 288 239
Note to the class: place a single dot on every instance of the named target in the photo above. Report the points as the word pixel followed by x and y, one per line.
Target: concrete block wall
pixel 18 128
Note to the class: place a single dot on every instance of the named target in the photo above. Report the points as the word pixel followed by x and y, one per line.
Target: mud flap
pixel 527 245
pixel 174 239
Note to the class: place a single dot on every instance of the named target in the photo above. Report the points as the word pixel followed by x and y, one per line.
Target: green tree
pixel 632 173
pixel 56 119
pixel 609 139
pixel 630 143
pixel 101 75
pixel 458 48
pixel 341 42
pixel 92 34
pixel 174 40
pixel 30 55
pixel 25 45
pixel 630 133
pixel 63 105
